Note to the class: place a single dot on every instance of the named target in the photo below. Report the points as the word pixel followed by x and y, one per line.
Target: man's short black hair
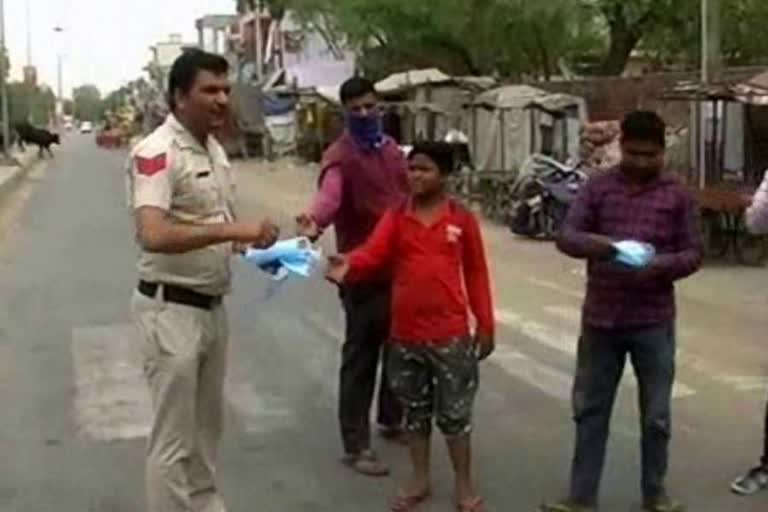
pixel 186 67
pixel 645 126
pixel 442 153
pixel 355 87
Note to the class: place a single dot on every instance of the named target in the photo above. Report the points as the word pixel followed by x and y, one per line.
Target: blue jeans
pixel 601 357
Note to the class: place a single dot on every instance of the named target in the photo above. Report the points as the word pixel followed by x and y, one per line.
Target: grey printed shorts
pixel 436 380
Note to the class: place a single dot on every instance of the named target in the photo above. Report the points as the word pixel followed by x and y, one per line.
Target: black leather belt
pixel 179 295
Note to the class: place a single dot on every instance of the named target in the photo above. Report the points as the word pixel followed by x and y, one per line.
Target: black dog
pixel 39 137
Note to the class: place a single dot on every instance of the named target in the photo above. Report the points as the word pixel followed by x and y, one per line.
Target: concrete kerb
pixel 11 175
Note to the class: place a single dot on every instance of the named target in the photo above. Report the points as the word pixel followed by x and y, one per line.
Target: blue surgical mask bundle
pixel 286 258
pixel 634 254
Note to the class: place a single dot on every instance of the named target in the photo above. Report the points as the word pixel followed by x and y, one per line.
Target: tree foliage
pixel 30 103
pixel 524 38
pixel 88 103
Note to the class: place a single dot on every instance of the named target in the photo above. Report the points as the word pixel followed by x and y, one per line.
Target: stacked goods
pixel 599 145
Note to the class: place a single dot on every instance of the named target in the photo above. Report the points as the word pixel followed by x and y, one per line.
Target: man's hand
pixel 259 235
pixel 603 248
pixel 338 267
pixel 484 345
pixel 307 226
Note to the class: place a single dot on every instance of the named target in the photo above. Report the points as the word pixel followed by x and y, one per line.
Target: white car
pixel 86 127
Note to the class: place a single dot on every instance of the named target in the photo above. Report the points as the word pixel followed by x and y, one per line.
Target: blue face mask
pixel 367 130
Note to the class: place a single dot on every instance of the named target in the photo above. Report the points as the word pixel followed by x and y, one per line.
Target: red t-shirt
pixel 440 273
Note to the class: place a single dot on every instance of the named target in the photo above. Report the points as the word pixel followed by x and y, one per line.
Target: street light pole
pixel 257 35
pixel 60 85
pixel 711 65
pixel 31 86
pixel 3 84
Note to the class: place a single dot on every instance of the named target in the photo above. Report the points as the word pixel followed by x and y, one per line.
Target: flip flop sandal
pixel 476 504
pixel 407 502
pixel 366 463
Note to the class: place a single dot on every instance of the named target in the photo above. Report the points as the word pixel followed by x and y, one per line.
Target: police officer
pixel 181 193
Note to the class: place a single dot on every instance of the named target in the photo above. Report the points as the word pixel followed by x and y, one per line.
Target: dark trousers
pixel 601 358
pixel 367 309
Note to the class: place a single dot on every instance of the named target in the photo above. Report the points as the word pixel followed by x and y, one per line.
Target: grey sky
pixel 106 41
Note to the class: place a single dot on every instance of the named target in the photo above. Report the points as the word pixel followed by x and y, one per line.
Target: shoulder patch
pixel 151 166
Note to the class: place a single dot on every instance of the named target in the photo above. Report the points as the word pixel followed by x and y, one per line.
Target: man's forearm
pixel 582 245
pixel 679 265
pixel 176 238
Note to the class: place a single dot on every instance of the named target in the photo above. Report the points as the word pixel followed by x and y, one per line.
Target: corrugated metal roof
pixel 510 96
pixel 402 81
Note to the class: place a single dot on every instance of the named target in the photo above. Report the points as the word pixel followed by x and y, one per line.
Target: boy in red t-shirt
pixel 433 247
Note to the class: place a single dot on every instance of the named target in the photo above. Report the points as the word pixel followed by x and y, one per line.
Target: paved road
pixel 74 408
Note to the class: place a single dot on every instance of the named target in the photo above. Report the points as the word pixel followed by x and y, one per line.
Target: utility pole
pixel 3 84
pixel 30 86
pixel 259 43
pixel 29 34
pixel 711 69
pixel 711 54
pixel 60 86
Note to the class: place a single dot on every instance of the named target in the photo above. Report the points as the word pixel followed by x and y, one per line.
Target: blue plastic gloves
pixel 634 254
pixel 292 257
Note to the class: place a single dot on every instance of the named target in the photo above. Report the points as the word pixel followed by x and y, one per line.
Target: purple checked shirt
pixel 661 213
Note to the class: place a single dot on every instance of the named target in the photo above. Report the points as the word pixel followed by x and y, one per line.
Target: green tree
pixel 29 103
pixel 88 103
pixel 69 107
pixel 524 38
pixel 674 38
pixel 505 37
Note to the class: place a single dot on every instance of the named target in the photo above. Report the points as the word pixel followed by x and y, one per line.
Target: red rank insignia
pixel 151 166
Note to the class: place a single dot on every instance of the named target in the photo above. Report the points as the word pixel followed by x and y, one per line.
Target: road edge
pixel 9 183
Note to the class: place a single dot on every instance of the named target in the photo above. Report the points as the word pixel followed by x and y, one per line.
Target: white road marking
pixel 679 388
pixel 111 397
pixel 567 313
pixel 747 383
pixel 112 400
pixel 558 339
pixel 542 283
pixel 566 341
pixel 552 382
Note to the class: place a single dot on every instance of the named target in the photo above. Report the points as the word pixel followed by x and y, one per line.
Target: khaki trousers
pixel 185 355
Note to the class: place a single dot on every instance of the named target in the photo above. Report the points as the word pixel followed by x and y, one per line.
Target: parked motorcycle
pixel 542 194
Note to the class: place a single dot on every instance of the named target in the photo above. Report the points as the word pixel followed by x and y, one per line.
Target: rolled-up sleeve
pixel 149 181
pixel 327 200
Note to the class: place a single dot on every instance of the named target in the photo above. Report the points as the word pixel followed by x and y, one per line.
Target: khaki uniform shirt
pixel 172 171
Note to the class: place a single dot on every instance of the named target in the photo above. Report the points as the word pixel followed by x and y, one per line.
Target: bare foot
pixel 411 496
pixel 418 486
pixel 464 491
